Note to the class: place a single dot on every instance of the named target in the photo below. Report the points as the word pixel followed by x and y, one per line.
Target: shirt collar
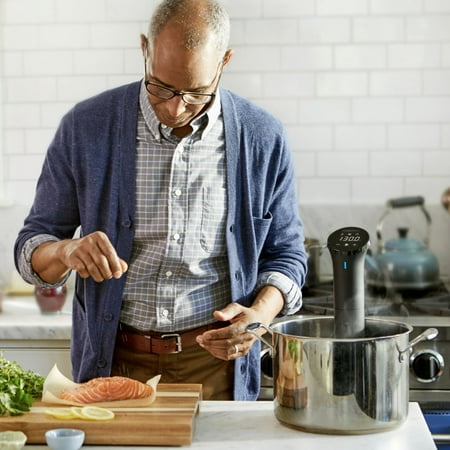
pixel 204 121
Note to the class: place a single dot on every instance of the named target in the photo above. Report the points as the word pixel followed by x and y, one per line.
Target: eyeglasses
pixel 191 98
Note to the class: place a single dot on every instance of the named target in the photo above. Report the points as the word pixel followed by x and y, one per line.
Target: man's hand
pixel 91 256
pixel 234 341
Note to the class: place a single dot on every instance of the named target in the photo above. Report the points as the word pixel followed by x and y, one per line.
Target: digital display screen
pixel 350 239
pixel 347 237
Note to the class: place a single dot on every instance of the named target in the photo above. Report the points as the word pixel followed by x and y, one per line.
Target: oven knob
pixel 427 365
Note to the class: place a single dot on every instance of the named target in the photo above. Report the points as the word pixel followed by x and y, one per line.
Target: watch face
pixel 348 240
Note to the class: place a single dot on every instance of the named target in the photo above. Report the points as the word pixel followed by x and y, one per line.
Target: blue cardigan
pixel 88 181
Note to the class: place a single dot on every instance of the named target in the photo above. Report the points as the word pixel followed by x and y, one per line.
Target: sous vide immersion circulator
pixel 348 247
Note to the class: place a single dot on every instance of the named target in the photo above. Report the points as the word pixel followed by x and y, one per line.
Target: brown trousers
pixel 192 365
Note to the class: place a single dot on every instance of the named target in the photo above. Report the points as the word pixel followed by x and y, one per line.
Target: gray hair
pixel 196 18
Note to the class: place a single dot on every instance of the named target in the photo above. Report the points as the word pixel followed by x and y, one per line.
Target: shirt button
pixel 169 274
pixel 165 313
pixel 177 192
pixel 176 237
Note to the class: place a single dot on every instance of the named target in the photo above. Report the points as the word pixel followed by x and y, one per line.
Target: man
pixel 184 196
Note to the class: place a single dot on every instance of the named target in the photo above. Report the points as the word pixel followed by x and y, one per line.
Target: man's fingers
pixel 112 265
pixel 94 255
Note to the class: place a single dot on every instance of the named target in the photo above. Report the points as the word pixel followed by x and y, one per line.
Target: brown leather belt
pixel 161 343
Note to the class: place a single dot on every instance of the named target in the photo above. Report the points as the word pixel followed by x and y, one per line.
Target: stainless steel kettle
pixel 402 263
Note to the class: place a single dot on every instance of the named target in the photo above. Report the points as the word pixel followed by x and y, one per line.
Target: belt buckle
pixel 177 337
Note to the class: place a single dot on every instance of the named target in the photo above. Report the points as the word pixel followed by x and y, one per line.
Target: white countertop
pixel 253 426
pixel 22 319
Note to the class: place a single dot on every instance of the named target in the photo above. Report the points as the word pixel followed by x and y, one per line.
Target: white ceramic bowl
pixel 12 440
pixel 64 439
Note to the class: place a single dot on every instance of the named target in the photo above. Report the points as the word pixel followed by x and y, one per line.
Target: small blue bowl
pixel 64 439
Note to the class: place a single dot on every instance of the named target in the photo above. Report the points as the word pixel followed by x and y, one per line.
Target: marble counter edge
pixel 21 319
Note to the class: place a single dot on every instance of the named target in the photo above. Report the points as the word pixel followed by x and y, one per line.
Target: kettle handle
pixel 403 202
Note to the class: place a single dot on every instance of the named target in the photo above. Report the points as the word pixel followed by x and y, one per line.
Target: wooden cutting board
pixel 170 420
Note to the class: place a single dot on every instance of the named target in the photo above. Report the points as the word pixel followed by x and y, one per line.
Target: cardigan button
pixel 101 363
pixel 126 223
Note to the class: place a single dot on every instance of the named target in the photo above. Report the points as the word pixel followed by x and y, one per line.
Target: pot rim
pixel 408 329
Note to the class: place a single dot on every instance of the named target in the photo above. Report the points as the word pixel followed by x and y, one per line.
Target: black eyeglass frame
pixel 200 98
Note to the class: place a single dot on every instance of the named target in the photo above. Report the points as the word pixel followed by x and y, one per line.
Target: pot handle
pixel 427 335
pixel 252 327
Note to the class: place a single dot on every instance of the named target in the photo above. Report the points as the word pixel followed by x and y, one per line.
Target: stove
pixel 429 379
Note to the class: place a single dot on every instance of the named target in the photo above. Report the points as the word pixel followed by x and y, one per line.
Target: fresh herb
pixel 18 388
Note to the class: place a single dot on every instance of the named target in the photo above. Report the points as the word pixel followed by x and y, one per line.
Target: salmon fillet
pixel 107 389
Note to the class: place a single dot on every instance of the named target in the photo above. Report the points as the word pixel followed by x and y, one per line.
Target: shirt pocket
pixel 212 226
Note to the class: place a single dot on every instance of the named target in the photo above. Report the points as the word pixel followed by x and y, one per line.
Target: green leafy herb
pixel 18 388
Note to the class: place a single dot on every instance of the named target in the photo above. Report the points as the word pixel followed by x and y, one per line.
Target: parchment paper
pixel 56 382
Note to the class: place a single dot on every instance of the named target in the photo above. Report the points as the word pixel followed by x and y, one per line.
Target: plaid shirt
pixel 178 273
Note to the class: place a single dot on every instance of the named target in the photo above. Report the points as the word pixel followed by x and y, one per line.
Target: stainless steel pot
pixel 314 250
pixel 340 386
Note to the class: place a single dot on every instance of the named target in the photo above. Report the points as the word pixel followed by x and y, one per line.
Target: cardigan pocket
pixel 261 228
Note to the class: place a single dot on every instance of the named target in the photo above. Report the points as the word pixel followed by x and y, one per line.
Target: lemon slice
pixel 61 413
pixel 12 437
pixel 77 412
pixel 96 413
pixel 12 440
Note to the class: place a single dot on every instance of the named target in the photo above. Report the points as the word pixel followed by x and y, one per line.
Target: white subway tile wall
pixel 362 86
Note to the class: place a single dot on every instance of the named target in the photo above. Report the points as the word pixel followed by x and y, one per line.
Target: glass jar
pixel 51 299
